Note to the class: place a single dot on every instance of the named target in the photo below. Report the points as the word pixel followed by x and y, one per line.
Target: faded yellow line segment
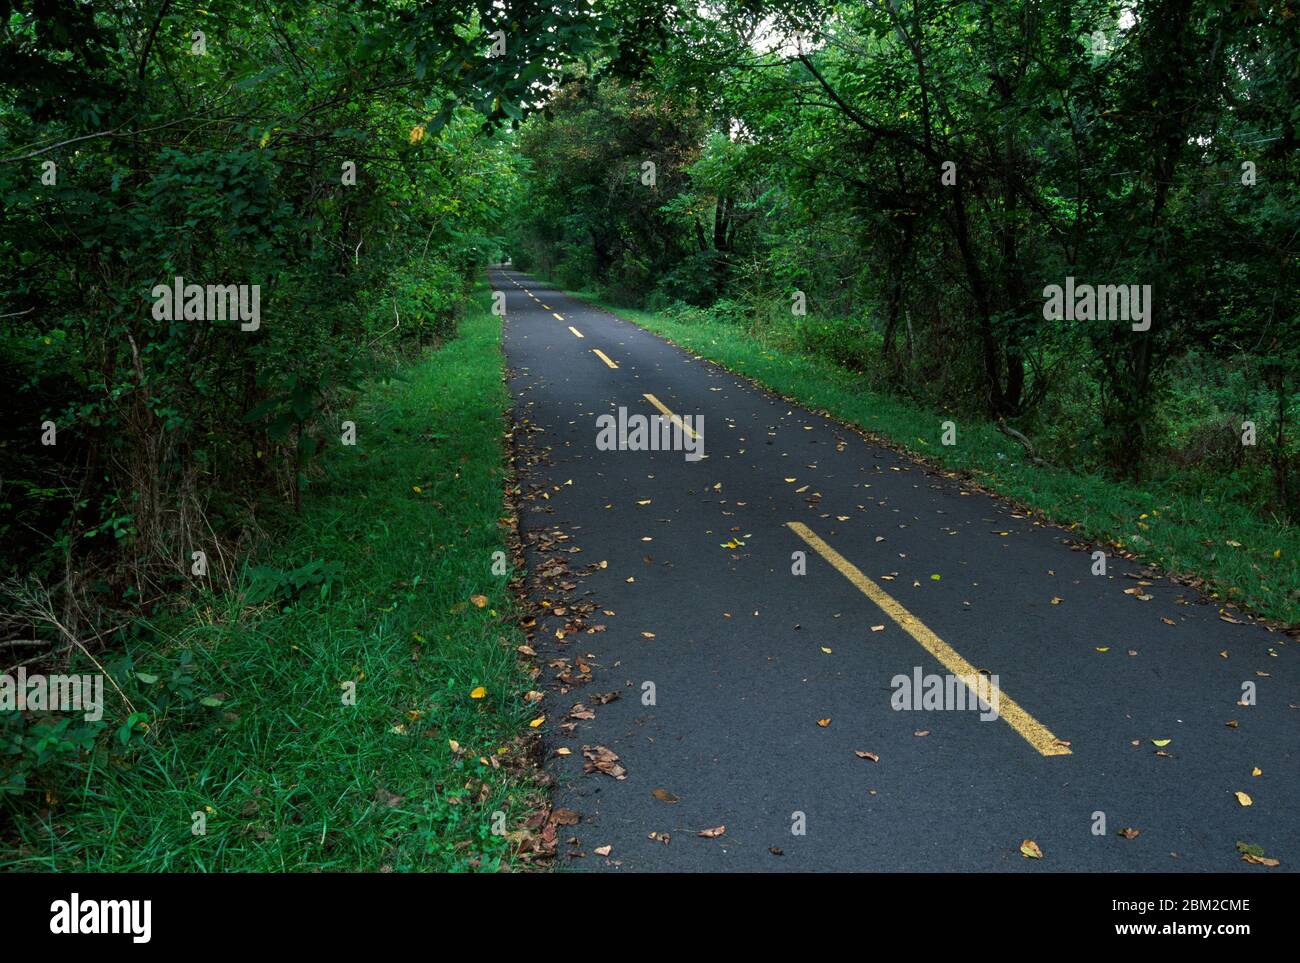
pixel 671 417
pixel 576 332
pixel 603 357
pixel 1030 729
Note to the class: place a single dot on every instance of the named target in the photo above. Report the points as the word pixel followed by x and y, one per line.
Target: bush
pixel 849 342
pixel 694 280
pixel 427 298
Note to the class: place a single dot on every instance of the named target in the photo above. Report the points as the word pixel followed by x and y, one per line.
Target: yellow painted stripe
pixel 556 316
pixel 603 357
pixel 671 417
pixel 547 307
pixel 1033 731
pixel 576 332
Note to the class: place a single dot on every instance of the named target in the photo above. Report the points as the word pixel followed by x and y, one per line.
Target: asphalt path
pixel 768 686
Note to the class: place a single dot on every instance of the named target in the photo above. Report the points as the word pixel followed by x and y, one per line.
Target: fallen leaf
pixel 1030 850
pixel 479 600
pixel 663 795
pixel 601 759
pixel 603 850
pixel 1260 860
pixel 1129 833
pixel 713 833
pixel 866 755
pixel 823 722
pixel 1244 799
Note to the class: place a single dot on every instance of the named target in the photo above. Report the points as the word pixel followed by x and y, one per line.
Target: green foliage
pixel 846 341
pixel 929 169
pixel 31 747
pixel 265 582
pixel 424 302
pixel 241 709
pixel 354 167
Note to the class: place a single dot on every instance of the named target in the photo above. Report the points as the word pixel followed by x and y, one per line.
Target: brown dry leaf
pixel 1129 833
pixel 866 755
pixel 1260 860
pixel 713 833
pixel 565 817
pixel 603 850
pixel 1030 850
pixel 480 601
pixel 601 759
pixel 663 795
pixel 1244 799
pixel 921 732
pixel 823 722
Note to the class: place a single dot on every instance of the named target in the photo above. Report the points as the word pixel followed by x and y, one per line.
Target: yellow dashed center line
pixel 576 332
pixel 1033 731
pixel 671 417
pixel 605 358
pixel 547 307
pixel 556 316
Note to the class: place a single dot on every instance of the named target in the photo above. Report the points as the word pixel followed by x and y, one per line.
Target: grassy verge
pixel 247 716
pixel 1242 558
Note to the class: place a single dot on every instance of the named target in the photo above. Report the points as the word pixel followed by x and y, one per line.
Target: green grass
pixel 290 777
pixel 1184 534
